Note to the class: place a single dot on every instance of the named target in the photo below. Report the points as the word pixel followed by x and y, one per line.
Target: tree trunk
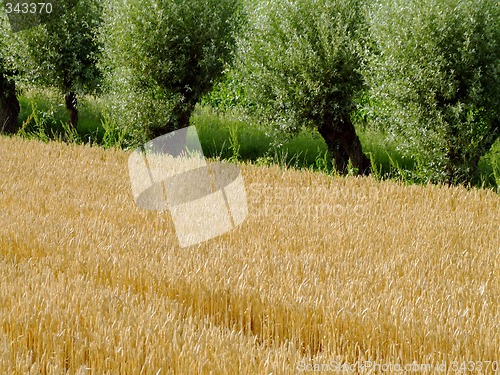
pixel 353 148
pixel 9 108
pixel 343 143
pixel 71 106
pixel 338 152
pixel 175 149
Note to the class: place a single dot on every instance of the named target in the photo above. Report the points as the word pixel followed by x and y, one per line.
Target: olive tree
pixel 434 72
pixel 9 105
pixel 63 52
pixel 299 60
pixel 162 56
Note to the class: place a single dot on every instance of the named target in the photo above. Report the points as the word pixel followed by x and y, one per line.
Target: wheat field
pixel 341 275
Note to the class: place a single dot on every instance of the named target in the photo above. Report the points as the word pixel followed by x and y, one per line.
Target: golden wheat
pixel 324 271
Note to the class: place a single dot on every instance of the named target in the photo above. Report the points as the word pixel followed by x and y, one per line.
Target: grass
pixel 305 150
pixel 49 107
pixel 323 269
pixel 233 136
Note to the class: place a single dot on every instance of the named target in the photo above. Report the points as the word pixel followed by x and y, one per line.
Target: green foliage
pixel 299 60
pixel 219 131
pixel 9 106
pixel 322 163
pixel 36 126
pixel 489 167
pixel 434 72
pixel 228 94
pixel 234 143
pixel 63 52
pixel 163 56
pixel 7 44
pixel 113 136
pixel 70 134
pixel 4 53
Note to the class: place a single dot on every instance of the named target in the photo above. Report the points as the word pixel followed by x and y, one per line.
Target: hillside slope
pixel 323 271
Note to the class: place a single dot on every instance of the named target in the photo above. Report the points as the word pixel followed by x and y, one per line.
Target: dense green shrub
pixel 299 60
pixel 162 56
pixel 228 94
pixel 63 51
pixel 434 69
pixel 9 105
